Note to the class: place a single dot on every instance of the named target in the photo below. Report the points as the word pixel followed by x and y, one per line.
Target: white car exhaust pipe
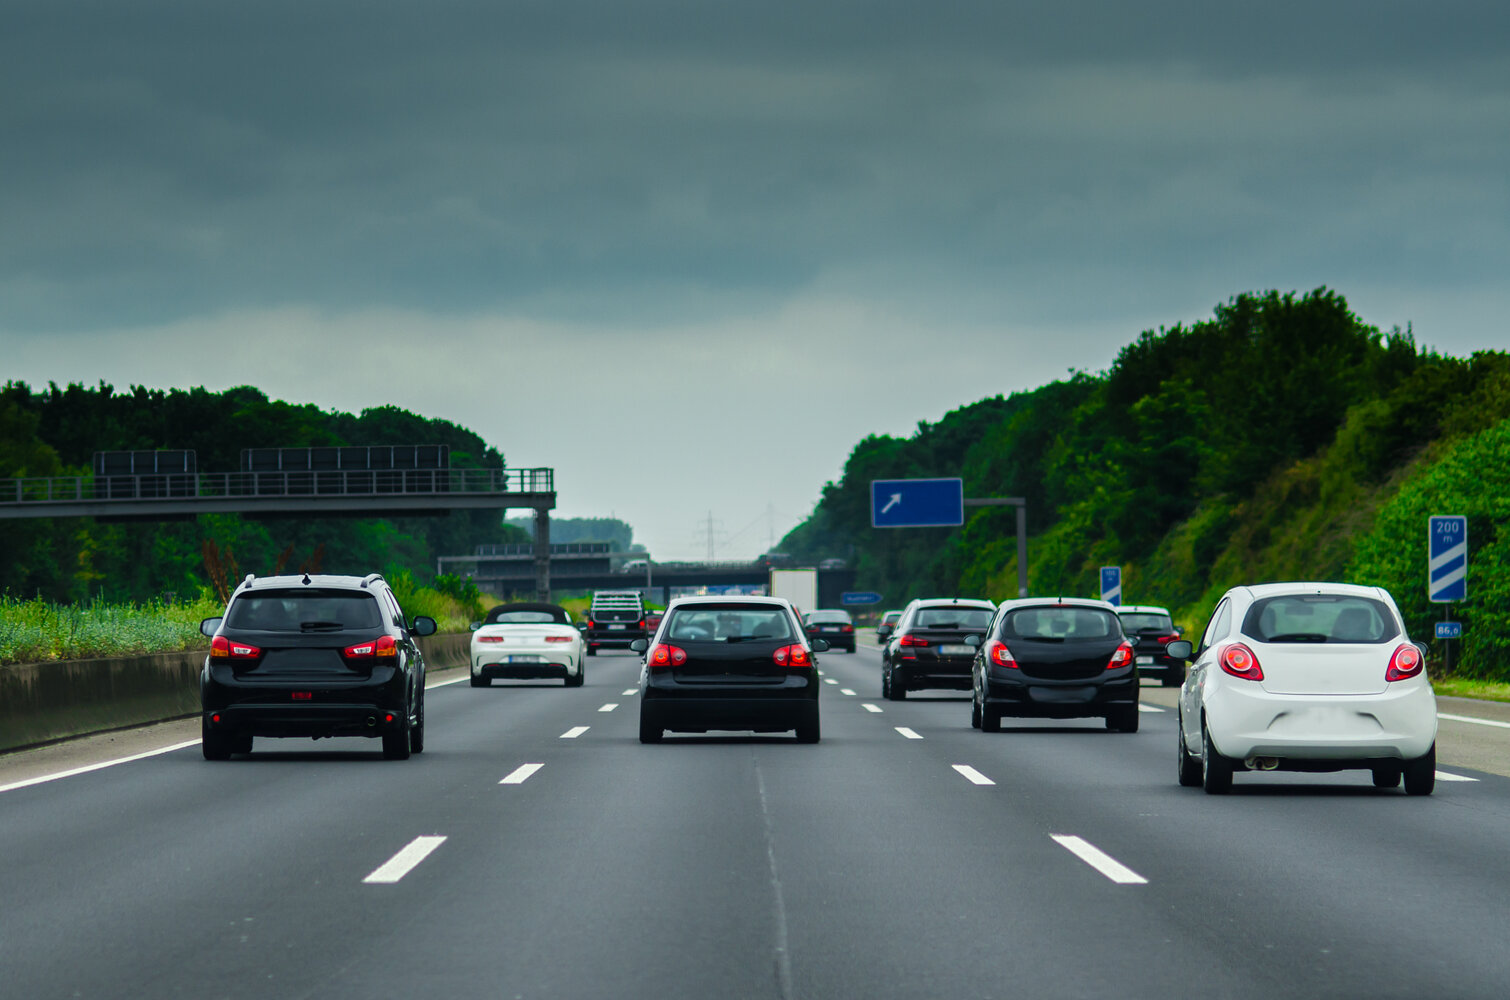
pixel 1262 763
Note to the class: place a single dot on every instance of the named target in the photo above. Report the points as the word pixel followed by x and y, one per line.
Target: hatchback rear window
pixel 305 611
pixel 1062 623
pixel 829 616
pixel 729 623
pixel 1137 621
pixel 1320 618
pixel 953 617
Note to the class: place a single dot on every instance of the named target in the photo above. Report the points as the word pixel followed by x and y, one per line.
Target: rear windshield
pixel 1320 618
pixel 728 623
pixel 1137 621
pixel 829 616
pixel 1064 623
pixel 305 611
pixel 953 617
pixel 526 618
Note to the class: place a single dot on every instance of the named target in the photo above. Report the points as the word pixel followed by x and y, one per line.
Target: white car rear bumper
pixel 1245 721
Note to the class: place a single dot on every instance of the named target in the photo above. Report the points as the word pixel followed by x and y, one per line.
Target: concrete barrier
pixel 43 702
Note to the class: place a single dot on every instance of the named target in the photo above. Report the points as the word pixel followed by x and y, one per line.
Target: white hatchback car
pixel 527 640
pixel 1307 677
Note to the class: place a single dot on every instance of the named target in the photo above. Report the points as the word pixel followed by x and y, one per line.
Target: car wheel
pixel 1421 773
pixel 479 681
pixel 216 745
pixel 1123 719
pixel 885 683
pixel 1189 766
pixel 898 688
pixel 396 744
pixel 808 727
pixel 1216 770
pixel 417 731
pixel 577 679
pixel 592 650
pixel 1387 777
pixel 650 730
pixel 974 708
pixel 990 719
pixel 1174 677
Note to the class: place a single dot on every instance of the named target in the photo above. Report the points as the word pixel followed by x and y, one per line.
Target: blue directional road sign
pixel 1447 561
pixel 917 503
pixel 1111 584
pixel 859 597
pixel 1449 630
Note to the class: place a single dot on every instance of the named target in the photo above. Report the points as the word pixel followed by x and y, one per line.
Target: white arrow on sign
pixel 896 498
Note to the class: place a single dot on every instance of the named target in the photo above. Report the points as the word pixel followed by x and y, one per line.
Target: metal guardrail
pixel 43 491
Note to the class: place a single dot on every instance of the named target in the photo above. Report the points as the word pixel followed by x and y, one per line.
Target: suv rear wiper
pixel 321 626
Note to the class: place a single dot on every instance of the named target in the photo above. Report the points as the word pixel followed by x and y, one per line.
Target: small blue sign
pixel 860 597
pixel 1111 584
pixel 917 503
pixel 1447 558
pixel 1449 630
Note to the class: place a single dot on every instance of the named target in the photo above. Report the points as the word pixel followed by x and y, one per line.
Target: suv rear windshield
pixel 1137 621
pixel 1062 623
pixel 305 610
pixel 729 623
pixel 1320 618
pixel 952 616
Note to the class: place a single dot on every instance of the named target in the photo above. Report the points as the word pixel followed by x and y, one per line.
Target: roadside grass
pixel 36 631
pixel 1468 687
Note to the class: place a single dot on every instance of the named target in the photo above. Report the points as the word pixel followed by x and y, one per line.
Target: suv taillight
pixel 1239 661
pixel 223 648
pixel 1121 657
pixel 1405 663
pixel 794 656
pixel 663 656
pixel 847 628
pixel 383 645
pixel 999 655
pixel 908 639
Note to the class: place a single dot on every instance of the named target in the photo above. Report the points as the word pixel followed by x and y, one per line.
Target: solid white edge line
pixel 1148 708
pixel 404 861
pixel 1478 722
pixel 871 708
pixel 609 707
pixel 42 779
pixel 1099 859
pixel 574 732
pixel 520 774
pixel 441 684
pixel 972 775
pixel 1446 776
pixel 911 734
pixel 847 691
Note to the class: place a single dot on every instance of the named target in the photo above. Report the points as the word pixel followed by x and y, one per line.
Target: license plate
pixel 618 626
pixel 1145 659
pixel 829 628
pixel 956 650
pixel 524 658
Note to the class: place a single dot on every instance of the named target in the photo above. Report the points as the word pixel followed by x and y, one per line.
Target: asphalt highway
pixel 537 850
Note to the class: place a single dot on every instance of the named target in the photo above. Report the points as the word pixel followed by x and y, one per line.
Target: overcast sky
pixel 689 253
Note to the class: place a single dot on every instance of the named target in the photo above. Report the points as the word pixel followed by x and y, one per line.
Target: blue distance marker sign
pixel 1111 584
pixel 1447 558
pixel 917 503
pixel 860 597
pixel 1449 630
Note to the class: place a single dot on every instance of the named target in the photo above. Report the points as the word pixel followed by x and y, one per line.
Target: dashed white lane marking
pixel 1444 776
pixel 403 862
pixel 630 693
pixel 1476 722
pixel 574 732
pixel 95 767
pixel 1148 708
pixel 609 707
pixel 521 774
pixel 847 691
pixel 972 775
pixel 1099 860
pixel 829 680
pixel 871 708
pixel 441 684
pixel 909 733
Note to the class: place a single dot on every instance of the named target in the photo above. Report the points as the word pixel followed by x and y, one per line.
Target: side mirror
pixel 475 626
pixel 423 625
pixel 1179 649
pixel 972 640
pixel 1425 649
pixel 819 645
pixel 640 645
pixel 211 625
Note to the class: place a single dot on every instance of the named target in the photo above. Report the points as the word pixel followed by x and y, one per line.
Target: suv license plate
pixel 956 650
pixel 618 626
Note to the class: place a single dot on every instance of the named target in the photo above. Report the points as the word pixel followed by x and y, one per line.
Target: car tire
pixel 1189 765
pixel 417 731
pixel 577 679
pixel 974 709
pixel 479 681
pixel 396 745
pixel 214 744
pixel 1123 719
pixel 897 689
pixel 809 729
pixel 1421 773
pixel 650 729
pixel 1216 770
pixel 592 650
pixel 1173 677
pixel 990 719
pixel 1387 777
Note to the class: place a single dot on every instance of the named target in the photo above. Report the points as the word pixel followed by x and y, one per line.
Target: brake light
pixel 1405 663
pixel 490 638
pixel 1121 657
pixel 383 645
pixel 847 628
pixel 559 638
pixel 302 695
pixel 794 656
pixel 1239 661
pixel 641 624
pixel 666 656
pixel 1165 640
pixel 223 648
pixel 999 655
pixel 908 639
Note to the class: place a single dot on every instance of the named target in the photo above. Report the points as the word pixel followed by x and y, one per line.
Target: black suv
pixel 313 656
pixel 616 619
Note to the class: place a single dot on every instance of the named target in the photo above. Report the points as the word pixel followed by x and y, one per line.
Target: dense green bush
pixel 35 631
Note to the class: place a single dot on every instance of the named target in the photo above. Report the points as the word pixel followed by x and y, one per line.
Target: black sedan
pixel 729 663
pixel 1055 658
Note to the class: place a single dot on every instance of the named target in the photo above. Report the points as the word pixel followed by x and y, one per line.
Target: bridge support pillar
pixel 543 554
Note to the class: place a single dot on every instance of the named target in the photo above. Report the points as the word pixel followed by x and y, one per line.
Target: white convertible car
pixel 524 641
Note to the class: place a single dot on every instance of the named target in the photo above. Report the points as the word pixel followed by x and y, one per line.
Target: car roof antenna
pixel 305 581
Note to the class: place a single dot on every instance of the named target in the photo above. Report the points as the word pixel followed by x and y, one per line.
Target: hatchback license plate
pixel 1144 659
pixel 956 650
pixel 618 626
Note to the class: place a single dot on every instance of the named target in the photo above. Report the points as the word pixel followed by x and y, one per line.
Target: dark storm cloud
pixel 653 159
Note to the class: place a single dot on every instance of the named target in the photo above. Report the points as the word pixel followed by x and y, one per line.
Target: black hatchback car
pixel 928 648
pixel 729 663
pixel 834 626
pixel 313 656
pixel 1056 658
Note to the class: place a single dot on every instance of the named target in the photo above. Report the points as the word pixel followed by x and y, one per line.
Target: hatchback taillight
pixel 847 628
pixel 383 645
pixel 999 655
pixel 1239 661
pixel 663 656
pixel 794 656
pixel 908 639
pixel 223 648
pixel 1406 662
pixel 1121 657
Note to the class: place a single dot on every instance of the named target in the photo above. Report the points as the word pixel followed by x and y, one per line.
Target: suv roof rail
pixel 370 577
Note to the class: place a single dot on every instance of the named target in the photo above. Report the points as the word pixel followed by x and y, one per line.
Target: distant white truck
pixel 800 586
